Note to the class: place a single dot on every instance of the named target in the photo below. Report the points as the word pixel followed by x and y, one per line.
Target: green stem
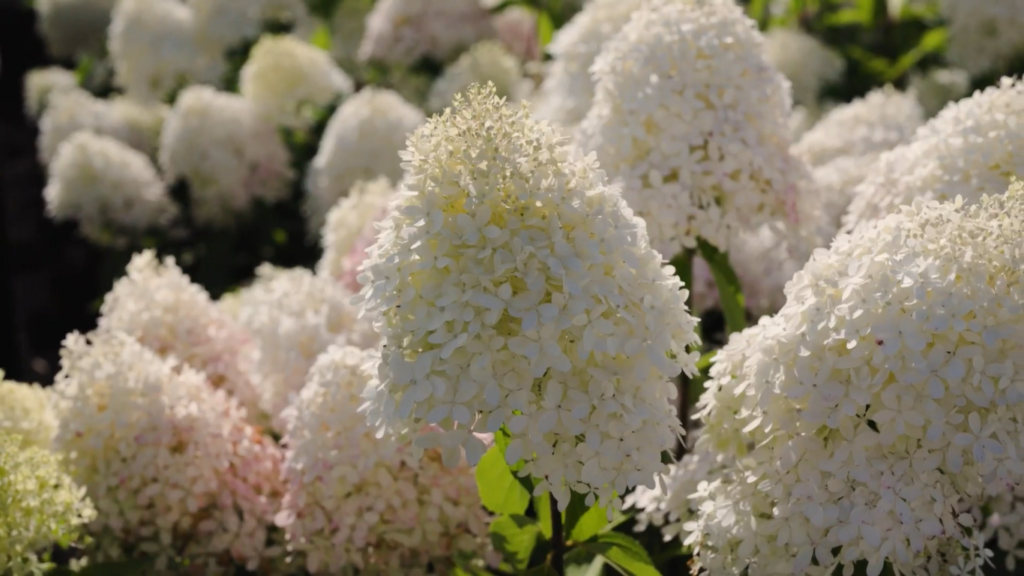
pixel 557 538
pixel 730 293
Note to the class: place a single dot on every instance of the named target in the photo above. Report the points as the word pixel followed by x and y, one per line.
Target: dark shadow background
pixel 47 273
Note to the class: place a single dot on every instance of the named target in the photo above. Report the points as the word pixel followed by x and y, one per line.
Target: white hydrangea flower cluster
pixel 801 119
pixel 566 94
pixel 351 229
pixel 41 83
pixel 26 412
pixel 807 63
pixel 169 462
pixel 41 505
pixel 353 500
pixel 875 123
pixel 157 304
pixel 153 49
pixel 514 287
pixel 405 31
pixel 361 142
pixel 516 27
pixel 971 148
pixel 229 156
pixel 983 37
pixel 288 79
pixel 879 405
pixel 485 62
pixel 223 24
pixel 938 87
pixel 137 125
pixel 109 188
pixel 293 316
pixel 694 121
pixel 74 28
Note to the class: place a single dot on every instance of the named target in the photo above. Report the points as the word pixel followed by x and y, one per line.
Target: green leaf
pixel 847 17
pixel 321 37
pixel 500 491
pixel 542 570
pixel 932 42
pixel 545 29
pixel 757 10
pixel 626 555
pixel 592 569
pixel 542 508
pixel 582 523
pixel 705 360
pixel 127 568
pixel 514 537
pixel 84 70
pixel 730 293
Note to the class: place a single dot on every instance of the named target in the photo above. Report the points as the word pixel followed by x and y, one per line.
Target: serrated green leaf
pixel 626 555
pixel 500 491
pixel 730 293
pixel 515 536
pixel 585 523
pixel 321 37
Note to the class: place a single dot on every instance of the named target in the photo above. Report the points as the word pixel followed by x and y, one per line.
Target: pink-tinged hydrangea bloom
pixel 170 463
pixel 351 228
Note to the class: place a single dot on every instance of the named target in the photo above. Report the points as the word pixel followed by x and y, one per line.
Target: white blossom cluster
pixel 353 500
pixel 41 505
pixel 74 28
pixel 844 144
pixel 221 25
pixel 228 155
pixel 983 37
pixel 137 125
pixel 288 80
pixel 158 305
pixel 694 121
pixel 881 404
pixel 110 189
pixel 807 63
pixel 567 91
pixel 26 413
pixel 42 83
pixel 405 31
pixel 351 229
pixel 971 148
pixel 170 463
pixel 485 62
pixel 293 316
pixel 153 49
pixel 361 142
pixel 938 87
pixel 516 27
pixel 514 287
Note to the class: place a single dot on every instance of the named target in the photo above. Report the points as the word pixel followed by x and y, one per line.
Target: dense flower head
pixel 971 148
pixel 137 125
pixel 807 63
pixel 801 119
pixel 361 142
pixel 938 87
pixel 405 31
pixel 288 79
pixel 221 25
pixel 109 188
pixel 514 287
pixel 26 412
pixel 41 83
pixel 158 305
pixel 875 123
pixel 354 500
pixel 153 49
pixel 984 37
pixel 694 121
pixel 877 407
pixel 74 28
pixel 351 228
pixel 567 92
pixel 228 155
pixel 39 505
pixel 294 315
pixel 485 62
pixel 169 462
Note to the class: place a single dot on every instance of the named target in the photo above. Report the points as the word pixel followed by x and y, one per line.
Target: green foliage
pixel 730 293
pixel 500 491
pixel 126 568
